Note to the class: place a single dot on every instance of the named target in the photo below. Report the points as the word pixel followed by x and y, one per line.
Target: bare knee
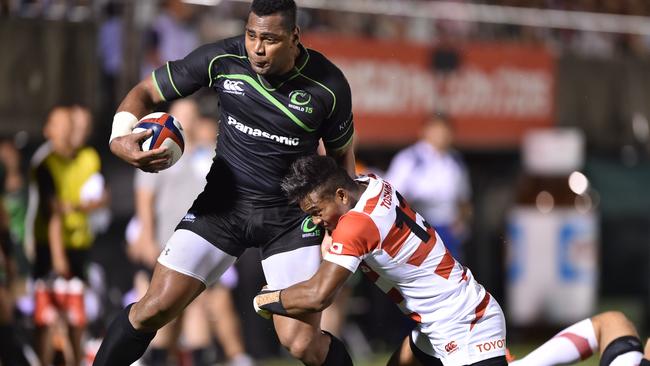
pixel 152 313
pixel 299 344
pixel 609 317
pixel 168 294
pixel 611 325
pixel 307 345
pixel 613 315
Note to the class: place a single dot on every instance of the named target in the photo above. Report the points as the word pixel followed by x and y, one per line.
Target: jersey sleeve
pixel 180 78
pixel 338 128
pixel 355 236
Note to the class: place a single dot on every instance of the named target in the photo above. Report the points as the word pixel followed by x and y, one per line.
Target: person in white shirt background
pixel 159 206
pixel 433 178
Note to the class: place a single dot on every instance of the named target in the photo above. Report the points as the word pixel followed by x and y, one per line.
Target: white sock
pixel 575 343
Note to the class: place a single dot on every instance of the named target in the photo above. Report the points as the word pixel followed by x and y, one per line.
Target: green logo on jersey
pixel 309 229
pixel 308 225
pixel 299 97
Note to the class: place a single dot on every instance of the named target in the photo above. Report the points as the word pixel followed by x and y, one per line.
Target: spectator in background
pixel 172 36
pixel 62 235
pixel 219 303
pixel 110 52
pixel 10 346
pixel 15 198
pixel 433 178
pixel 159 206
pixel 94 194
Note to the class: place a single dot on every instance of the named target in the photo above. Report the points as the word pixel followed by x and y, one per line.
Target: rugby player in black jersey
pixel 278 99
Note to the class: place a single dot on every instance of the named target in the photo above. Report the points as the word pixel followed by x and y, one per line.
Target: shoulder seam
pixel 215 59
pixel 169 74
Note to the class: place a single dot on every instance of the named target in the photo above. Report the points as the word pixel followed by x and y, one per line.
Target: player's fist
pixel 127 148
pixel 267 303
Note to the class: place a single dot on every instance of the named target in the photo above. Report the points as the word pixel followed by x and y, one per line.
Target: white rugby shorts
pixel 457 343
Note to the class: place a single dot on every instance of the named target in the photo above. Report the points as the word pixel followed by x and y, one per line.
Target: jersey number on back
pixel 402 218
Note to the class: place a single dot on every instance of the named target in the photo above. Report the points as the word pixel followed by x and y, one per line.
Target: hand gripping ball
pixel 167 132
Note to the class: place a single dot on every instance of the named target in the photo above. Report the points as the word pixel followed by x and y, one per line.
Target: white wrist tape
pixel 123 123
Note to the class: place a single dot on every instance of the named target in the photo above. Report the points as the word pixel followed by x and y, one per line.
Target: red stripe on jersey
pixel 357 234
pixel 397 235
pixel 480 310
pixel 416 317
pixel 581 344
pixel 372 202
pixel 395 296
pixel 395 239
pixel 446 265
pixel 372 275
pixel 423 250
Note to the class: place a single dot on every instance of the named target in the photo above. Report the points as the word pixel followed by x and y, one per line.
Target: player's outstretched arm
pixel 126 145
pixel 309 296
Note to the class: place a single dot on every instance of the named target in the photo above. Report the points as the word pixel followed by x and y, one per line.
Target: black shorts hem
pixel 233 250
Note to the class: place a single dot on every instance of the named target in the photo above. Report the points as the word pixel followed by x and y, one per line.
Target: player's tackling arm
pixel 137 103
pixel 309 296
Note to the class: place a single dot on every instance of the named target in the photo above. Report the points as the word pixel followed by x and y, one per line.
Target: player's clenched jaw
pixel 272 48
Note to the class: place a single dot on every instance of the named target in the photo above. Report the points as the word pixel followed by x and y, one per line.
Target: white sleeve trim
pixel 348 262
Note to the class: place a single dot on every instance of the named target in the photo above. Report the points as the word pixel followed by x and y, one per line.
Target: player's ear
pixel 342 195
pixel 295 36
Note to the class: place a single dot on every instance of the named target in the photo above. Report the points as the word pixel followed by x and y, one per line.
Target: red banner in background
pixel 494 94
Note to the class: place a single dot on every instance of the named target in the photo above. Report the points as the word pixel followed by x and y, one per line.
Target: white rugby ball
pixel 167 132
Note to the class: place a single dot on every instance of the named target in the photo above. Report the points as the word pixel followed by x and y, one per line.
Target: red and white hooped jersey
pixel 405 258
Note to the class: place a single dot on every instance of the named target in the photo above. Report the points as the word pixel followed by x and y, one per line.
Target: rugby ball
pixel 167 132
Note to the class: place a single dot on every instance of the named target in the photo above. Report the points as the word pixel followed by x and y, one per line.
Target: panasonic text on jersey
pixel 256 132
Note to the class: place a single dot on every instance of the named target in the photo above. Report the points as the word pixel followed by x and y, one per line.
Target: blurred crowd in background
pixel 381 26
pixel 475 193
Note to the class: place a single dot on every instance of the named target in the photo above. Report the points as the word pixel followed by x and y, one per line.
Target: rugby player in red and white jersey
pixel 373 227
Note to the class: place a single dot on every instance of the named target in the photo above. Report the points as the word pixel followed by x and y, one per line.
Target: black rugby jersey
pixel 266 123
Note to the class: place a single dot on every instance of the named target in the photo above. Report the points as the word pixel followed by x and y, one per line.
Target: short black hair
pixel 286 7
pixel 315 173
pixel 439 117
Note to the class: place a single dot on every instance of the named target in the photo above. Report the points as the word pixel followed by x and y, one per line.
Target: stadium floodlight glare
pixel 578 183
pixel 481 13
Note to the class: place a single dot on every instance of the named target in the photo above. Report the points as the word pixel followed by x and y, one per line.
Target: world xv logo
pixel 309 229
pixel 298 100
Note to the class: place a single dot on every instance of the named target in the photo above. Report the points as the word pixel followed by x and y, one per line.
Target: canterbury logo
pixel 234 86
pixel 451 347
